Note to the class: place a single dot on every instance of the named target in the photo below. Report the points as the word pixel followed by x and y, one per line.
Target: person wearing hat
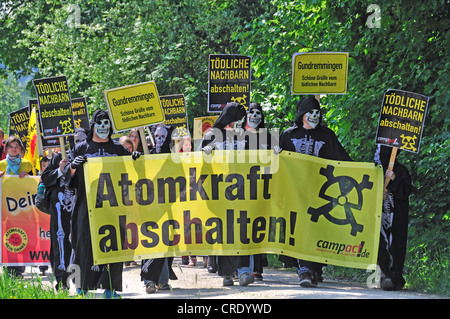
pixel 97 144
pixel 226 134
pixel 308 136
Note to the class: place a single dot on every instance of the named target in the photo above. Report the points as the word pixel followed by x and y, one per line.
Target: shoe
pixel 257 276
pixel 306 280
pixel 111 294
pixel 212 267
pixel 387 284
pixel 246 279
pixel 227 281
pixel 164 287
pixel 150 287
pixel 192 261
pixel 185 260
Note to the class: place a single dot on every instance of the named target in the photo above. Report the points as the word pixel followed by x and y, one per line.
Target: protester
pixel 135 138
pixel 251 267
pixel 308 137
pixel 61 204
pixel 2 145
pixel 126 141
pixel 14 164
pixel 394 221
pixel 226 134
pixel 155 273
pixel 98 144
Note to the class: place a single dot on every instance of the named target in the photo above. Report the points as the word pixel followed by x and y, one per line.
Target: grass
pixel 12 287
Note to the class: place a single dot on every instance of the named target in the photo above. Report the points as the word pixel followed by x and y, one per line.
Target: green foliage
pixel 17 288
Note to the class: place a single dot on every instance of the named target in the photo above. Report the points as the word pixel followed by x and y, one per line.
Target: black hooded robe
pixel 61 205
pixel 151 269
pixel 109 276
pixel 320 142
pixel 394 224
pixel 218 139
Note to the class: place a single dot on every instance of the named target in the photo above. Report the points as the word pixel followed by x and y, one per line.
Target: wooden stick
pixel 390 167
pixel 62 145
pixel 143 140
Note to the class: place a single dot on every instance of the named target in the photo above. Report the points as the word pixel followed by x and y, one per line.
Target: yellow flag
pixel 32 150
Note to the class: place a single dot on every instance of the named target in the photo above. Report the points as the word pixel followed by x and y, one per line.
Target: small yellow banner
pixel 134 106
pixel 319 72
pixel 234 203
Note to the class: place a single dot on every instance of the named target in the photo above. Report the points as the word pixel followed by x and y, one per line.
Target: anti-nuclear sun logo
pixel 350 198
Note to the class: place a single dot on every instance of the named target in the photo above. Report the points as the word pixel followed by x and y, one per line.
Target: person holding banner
pixel 14 164
pixel 394 221
pixel 156 272
pixel 251 267
pixel 308 137
pixel 226 134
pixel 135 138
pixel 97 144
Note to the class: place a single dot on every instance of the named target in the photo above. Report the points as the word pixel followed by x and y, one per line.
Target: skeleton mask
pixel 102 128
pixel 313 118
pixel 254 118
pixel 160 137
pixel 239 124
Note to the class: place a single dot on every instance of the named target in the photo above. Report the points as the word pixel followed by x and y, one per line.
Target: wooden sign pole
pixel 390 167
pixel 143 140
pixel 63 147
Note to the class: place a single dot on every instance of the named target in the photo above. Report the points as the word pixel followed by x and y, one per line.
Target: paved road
pixel 197 283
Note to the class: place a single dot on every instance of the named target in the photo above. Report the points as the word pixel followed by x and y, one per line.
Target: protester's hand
pixel 135 155
pixel 78 161
pixel 207 149
pixel 277 150
pixel 23 174
pixel 390 174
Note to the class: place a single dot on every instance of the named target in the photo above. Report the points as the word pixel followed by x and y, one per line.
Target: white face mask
pixel 102 128
pixel 239 124
pixel 254 118
pixel 313 118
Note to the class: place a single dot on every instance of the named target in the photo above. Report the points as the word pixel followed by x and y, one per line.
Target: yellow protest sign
pixel 319 72
pixel 234 203
pixel 134 106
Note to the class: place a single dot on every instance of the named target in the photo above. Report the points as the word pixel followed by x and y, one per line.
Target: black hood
pixel 255 105
pixel 232 112
pixel 304 105
pixel 98 116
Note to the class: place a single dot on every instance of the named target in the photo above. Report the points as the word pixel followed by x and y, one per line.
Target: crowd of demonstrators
pixel 235 129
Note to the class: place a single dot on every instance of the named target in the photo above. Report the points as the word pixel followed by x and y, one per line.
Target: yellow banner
pixel 234 203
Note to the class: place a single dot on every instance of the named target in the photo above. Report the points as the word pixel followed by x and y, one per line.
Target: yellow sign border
pixel 296 74
pixel 116 118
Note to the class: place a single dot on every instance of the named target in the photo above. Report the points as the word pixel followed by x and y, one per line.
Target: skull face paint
pixel 160 137
pixel 238 125
pixel 254 118
pixel 313 118
pixel 102 128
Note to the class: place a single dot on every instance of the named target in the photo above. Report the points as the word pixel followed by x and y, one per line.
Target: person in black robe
pixel 394 221
pixel 226 134
pixel 97 144
pixel 308 137
pixel 250 268
pixel 156 272
pixel 61 205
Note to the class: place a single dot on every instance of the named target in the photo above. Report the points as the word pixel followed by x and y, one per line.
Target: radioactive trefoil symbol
pixel 346 185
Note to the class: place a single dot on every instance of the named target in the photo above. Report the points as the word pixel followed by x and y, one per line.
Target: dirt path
pixel 197 283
